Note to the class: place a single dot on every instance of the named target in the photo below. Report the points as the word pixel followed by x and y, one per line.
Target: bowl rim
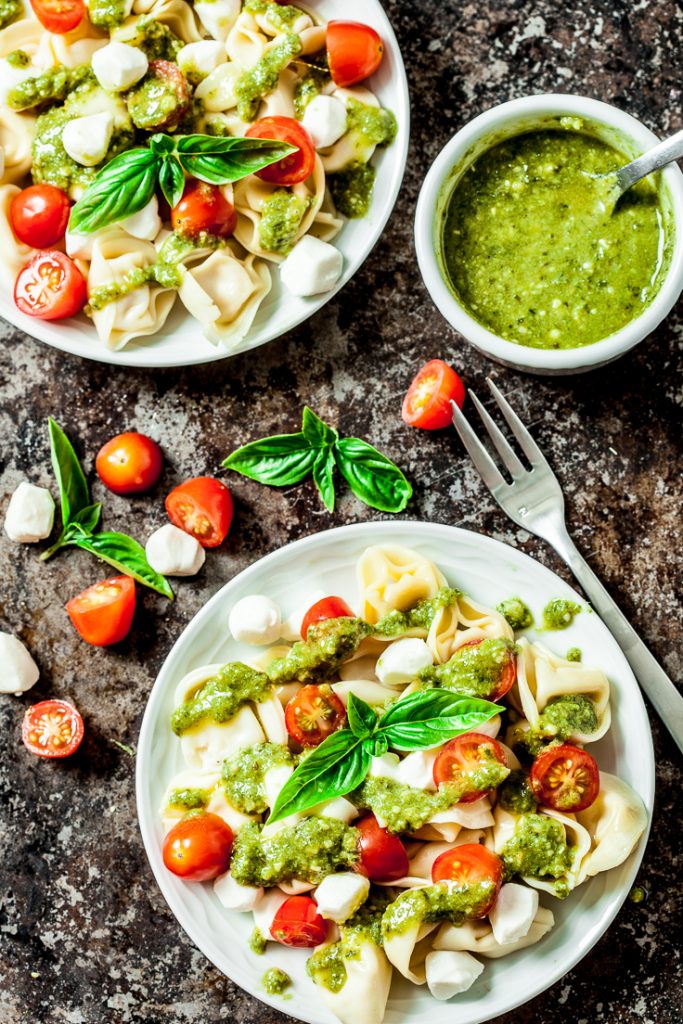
pixel 426 243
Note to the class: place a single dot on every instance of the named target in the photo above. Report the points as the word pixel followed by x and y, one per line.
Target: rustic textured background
pixel 85 937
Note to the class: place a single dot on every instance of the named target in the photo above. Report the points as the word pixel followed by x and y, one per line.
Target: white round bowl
pixel 533 112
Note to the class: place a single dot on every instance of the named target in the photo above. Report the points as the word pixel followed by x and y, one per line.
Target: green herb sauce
pixel 562 718
pixel 106 293
pixel 153 37
pixel 472 671
pixel 538 849
pixel 440 902
pixel 515 613
pixel 190 799
pixel 352 189
pixel 18 59
pixel 515 794
pixel 257 942
pixel 281 216
pixel 327 966
pixel 317 658
pixel 107 13
pixel 10 10
pixel 154 101
pixel 53 84
pixel 222 696
pixel 420 616
pixel 307 88
pixel 276 981
pixel 573 654
pixel 262 78
pixel 637 894
pixel 308 851
pixel 243 775
pixel 560 613
pixel 372 126
pixel 280 16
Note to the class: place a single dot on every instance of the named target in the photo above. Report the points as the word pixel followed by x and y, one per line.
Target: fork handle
pixel 662 693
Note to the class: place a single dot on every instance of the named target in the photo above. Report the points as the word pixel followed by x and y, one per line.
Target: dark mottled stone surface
pixel 85 936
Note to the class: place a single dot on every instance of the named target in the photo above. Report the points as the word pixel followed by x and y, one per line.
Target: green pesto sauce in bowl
pixel 473 671
pixel 538 849
pixel 531 251
pixel 244 773
pixel 221 697
pixel 308 851
pixel 440 902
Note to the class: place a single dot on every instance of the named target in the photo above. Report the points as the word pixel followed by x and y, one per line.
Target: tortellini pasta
pixel 224 294
pixel 176 14
pixel 393 577
pixel 477 936
pixel 15 253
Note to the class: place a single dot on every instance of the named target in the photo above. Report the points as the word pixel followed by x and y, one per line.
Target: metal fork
pixel 534 501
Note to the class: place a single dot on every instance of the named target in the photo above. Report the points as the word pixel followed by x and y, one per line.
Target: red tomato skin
pixel 59 16
pixel 455 753
pixel 383 856
pixel 103 613
pixel 470 864
pixel 354 52
pixel 304 701
pixel 203 207
pixel 50 287
pixel 298 923
pixel 326 608
pixel 199 847
pixel 209 501
pixel 39 215
pixel 296 167
pixel 53 715
pixel 508 675
pixel 580 760
pixel 427 403
pixel 129 463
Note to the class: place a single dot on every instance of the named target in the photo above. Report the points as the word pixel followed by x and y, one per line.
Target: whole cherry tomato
pixel 298 923
pixel 354 51
pixel 39 215
pixel 130 463
pixel 198 848
pixel 383 856
pixel 203 207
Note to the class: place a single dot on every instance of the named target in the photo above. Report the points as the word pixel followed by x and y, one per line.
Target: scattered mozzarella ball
pixel 30 514
pixel 86 139
pixel 218 16
pixel 255 620
pixel 340 895
pixel 325 120
pixel 19 670
pixel 513 913
pixel 118 66
pixel 312 267
pixel 234 896
pixel 449 972
pixel 146 223
pixel 401 661
pixel 201 58
pixel 172 552
pixel 11 76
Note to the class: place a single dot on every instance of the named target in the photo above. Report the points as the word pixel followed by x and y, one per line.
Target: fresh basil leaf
pixel 315 430
pixel 362 719
pixel 171 179
pixel 429 717
pixel 279 461
pixel 378 744
pixel 74 495
pixel 88 517
pixel 334 768
pixel 161 144
pixel 121 188
pixel 372 477
pixel 218 160
pixel 124 554
pixel 323 476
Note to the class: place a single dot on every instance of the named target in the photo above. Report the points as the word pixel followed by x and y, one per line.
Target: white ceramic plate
pixel 181 341
pixel 489 571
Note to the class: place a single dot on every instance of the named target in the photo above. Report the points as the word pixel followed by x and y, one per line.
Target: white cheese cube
pixel 172 552
pixel 30 514
pixel 325 120
pixel 255 620
pixel 86 139
pixel 450 972
pixel 218 16
pixel 234 896
pixel 291 628
pixel 18 670
pixel 513 912
pixel 417 769
pixel 312 267
pixel 339 896
pixel 200 59
pixel 118 66
pixel 266 909
pixel 401 661
pixel 146 223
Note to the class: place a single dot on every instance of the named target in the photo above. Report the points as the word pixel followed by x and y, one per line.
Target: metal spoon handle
pixel 664 153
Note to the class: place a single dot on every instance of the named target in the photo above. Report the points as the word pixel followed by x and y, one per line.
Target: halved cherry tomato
pixel 59 16
pixel 326 608
pixel 53 728
pixel 297 166
pixel 50 287
pixel 130 463
pixel 203 508
pixel 354 52
pixel 470 864
pixel 103 613
pixel 461 758
pixel 314 713
pixel 298 923
pixel 39 215
pixel 507 672
pixel 383 856
pixel 161 99
pixel 198 848
pixel 565 778
pixel 203 207
pixel 427 403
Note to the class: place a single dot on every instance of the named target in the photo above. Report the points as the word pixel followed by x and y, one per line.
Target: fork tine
pixel 483 462
pixel 526 441
pixel 500 442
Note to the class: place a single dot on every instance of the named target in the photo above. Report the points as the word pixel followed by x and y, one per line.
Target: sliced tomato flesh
pixel 52 728
pixel 298 923
pixel 470 865
pixel 463 757
pixel 313 714
pixel 565 778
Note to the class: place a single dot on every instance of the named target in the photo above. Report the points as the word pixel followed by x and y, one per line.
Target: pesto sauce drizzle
pixel 440 902
pixel 154 38
pixel 222 696
pixel 327 966
pixel 107 14
pixel 190 799
pixel 573 654
pixel 516 613
pixel 318 657
pixel 560 613
pixel 352 189
pixel 281 216
pixel 308 851
pixel 243 775
pixel 515 793
pixel 420 616
pixel 10 10
pixel 538 849
pixel 472 671
pixel 52 85
pixel 257 942
pixel 276 981
pixel 562 717
pixel 280 16
pixel 307 88
pixel 18 59
pixel 262 78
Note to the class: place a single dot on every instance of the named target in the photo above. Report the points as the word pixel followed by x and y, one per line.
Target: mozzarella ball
pixel 312 267
pixel 86 139
pixel 172 552
pixel 30 514
pixel 325 120
pixel 255 620
pixel 118 66
pixel 340 895
pixel 19 670
pixel 146 223
pixel 234 896
pixel 401 662
pixel 513 913
pixel 449 972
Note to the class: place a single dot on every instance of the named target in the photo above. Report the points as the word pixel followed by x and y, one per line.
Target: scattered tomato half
pixel 198 848
pixel 383 856
pixel 53 728
pixel 313 714
pixel 50 286
pixel 463 756
pixel 470 864
pixel 354 52
pixel 39 215
pixel 103 613
pixel 296 167
pixel 203 207
pixel 298 923
pixel 203 508
pixel 59 16
pixel 427 403
pixel 326 608
pixel 565 778
pixel 507 673
pixel 130 463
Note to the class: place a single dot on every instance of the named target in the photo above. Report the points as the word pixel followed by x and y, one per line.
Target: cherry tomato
pixel 565 778
pixel 383 856
pixel 461 758
pixel 298 923
pixel 50 286
pixel 507 673
pixel 314 713
pixel 198 848
pixel 39 215
pixel 203 508
pixel 203 208
pixel 354 52
pixel 297 166
pixel 161 99
pixel 427 403
pixel 103 613
pixel 326 608
pixel 59 16
pixel 130 463
pixel 470 864
pixel 53 728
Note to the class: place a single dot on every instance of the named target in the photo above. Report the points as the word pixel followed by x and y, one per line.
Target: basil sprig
pixel 127 183
pixel 317 450
pixel 341 762
pixel 80 519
